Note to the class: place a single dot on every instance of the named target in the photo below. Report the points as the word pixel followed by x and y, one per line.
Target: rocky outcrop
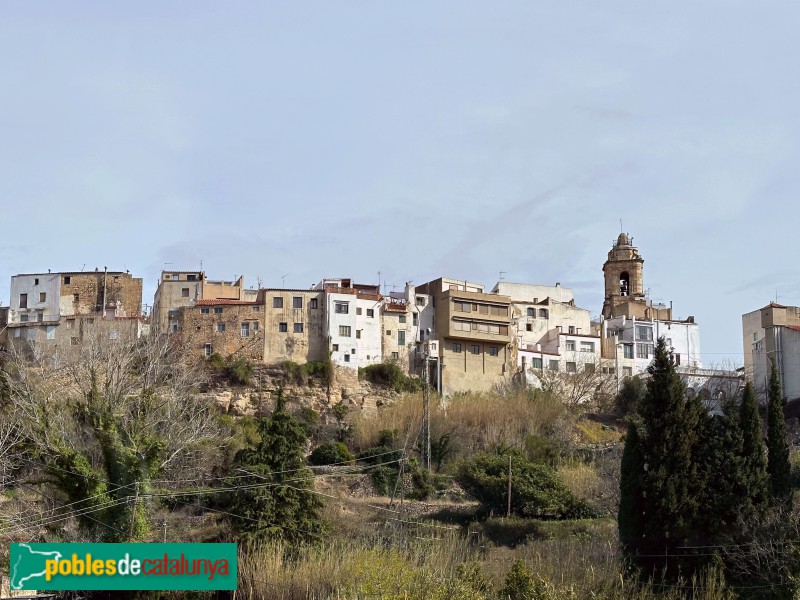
pixel 258 398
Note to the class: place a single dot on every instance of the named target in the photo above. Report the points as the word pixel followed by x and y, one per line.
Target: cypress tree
pixel 754 458
pixel 671 487
pixel 630 517
pixel 777 448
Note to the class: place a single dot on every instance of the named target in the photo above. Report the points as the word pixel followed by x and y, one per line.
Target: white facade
pixel 369 327
pixel 35 298
pixel 525 292
pixel 634 341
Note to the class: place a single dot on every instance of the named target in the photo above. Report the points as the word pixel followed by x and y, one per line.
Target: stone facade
pixel 224 327
pixel 294 325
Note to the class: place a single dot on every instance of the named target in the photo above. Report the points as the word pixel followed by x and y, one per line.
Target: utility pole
pixel 508 513
pixel 133 511
pixel 426 414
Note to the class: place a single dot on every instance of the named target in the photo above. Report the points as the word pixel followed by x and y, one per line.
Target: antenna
pixel 621 230
pixel 379 282
pixel 283 280
pixel 501 275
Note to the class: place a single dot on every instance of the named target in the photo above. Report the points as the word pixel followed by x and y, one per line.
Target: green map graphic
pixel 27 567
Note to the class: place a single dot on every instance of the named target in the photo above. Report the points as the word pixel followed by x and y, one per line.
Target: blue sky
pixel 314 139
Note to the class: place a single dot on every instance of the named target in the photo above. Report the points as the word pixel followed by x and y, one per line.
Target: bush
pixel 390 375
pixel 521 585
pixel 330 453
pixel 239 370
pixel 379 454
pixel 536 490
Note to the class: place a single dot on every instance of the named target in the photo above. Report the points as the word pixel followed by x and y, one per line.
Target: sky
pixel 291 141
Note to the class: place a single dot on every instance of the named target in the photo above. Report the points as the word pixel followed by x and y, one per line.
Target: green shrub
pixel 539 449
pixel 384 480
pixel 536 490
pixel 388 437
pixel 521 585
pixel 330 453
pixel 216 360
pixel 390 375
pixel 239 370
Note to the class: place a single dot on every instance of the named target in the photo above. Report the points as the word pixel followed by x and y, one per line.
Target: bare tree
pixel 580 379
pixel 103 418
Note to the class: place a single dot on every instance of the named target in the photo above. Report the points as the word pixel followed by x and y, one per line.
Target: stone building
pixel 474 334
pixel 62 308
pixel 295 325
pixel 223 326
pixel 183 288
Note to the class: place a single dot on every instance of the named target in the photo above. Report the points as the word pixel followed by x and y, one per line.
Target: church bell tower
pixel 623 275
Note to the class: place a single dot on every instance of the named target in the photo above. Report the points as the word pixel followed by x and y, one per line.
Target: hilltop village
pixel 464 336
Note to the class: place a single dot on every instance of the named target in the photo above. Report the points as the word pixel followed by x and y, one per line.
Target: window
pixel 627 371
pixel 536 363
pixel 456 347
pixel 571 329
pixel 587 346
pixel 572 367
pixel 220 327
pixel 184 292
pixel 23 300
pixel 90 321
pixel 342 308
pixel 395 356
pixel 208 350
pixel 346 358
pixel 297 302
pixel 532 313
pixel 42 296
pixel 678 360
pixel 543 313
pixel 401 338
pixel 370 312
pixel 73 340
pixel 755 337
pixel 255 326
pixel 388 332
pixel 358 310
pixel 420 300
pixel 245 329
pixel 570 346
pixel 175 277
pixel 344 330
pixel 644 334
pixel 23 318
pixel 191 277
pixel 40 315
pixel 204 310
pixel 353 351
pixel 415 319
pixel 459 306
pixel 76 297
pixel 643 350
pixel 70 323
pixel 627 351
pixel 554 365
pixel 528 327
pixel 298 328
pixel 283 327
pixel 462 326
pixel 475 349
pixel 217 310
pixel 494 351
pixel 401 318
pixel 67 280
pixel 277 302
pixel 256 308
pixel 358 334
pixel 36 281
pixel 589 368
pixel 499 311
pixel 312 303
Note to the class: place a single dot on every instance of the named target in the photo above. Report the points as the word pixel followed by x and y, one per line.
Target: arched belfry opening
pixel 624 284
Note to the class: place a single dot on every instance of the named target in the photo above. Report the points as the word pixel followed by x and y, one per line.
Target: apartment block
pixel 473 328
pixel 772 333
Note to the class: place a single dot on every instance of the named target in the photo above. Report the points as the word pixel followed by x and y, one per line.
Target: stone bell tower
pixel 623 277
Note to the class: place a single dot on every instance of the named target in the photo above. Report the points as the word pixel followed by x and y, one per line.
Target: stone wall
pixel 82 294
pixel 219 328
